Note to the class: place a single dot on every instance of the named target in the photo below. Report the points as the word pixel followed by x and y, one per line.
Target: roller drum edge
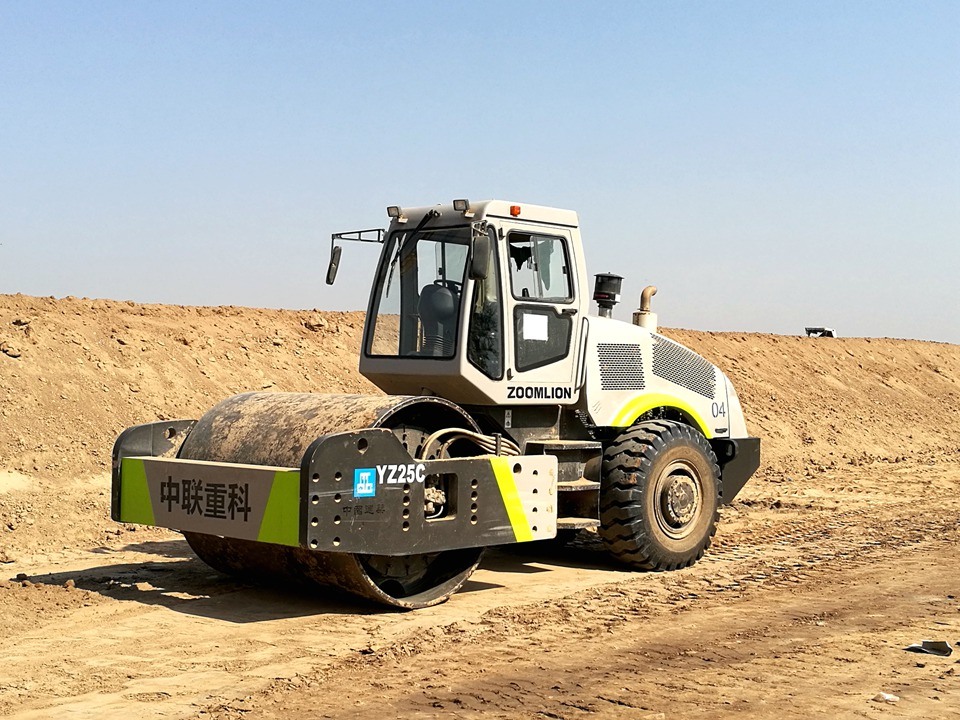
pixel 262 562
pixel 276 429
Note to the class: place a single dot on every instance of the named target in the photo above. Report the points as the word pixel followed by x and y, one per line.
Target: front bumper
pixel 739 459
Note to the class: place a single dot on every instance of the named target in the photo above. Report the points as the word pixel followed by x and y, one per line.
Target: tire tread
pixel 625 464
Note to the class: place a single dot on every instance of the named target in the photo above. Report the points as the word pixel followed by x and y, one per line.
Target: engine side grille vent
pixel 673 362
pixel 621 366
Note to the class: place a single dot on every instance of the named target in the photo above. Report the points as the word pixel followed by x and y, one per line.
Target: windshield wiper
pixel 431 214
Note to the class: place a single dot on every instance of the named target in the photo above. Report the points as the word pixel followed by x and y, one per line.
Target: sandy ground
pixel 839 553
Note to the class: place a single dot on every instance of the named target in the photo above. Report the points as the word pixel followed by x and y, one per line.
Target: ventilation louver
pixel 673 362
pixel 621 366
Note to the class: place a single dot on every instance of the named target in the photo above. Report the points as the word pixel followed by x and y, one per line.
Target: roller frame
pixel 491 500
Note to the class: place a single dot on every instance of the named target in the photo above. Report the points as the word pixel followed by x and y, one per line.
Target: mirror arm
pixel 368 236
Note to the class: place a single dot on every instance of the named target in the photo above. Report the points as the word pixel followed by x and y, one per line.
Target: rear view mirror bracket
pixel 373 235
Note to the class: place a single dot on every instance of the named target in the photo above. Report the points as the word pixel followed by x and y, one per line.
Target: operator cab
pixel 418 292
pixel 477 303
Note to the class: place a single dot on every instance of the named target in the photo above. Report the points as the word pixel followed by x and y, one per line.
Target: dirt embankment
pixel 827 401
pixel 74 372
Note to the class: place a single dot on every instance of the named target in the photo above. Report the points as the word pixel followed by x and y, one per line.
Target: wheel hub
pixel 681 501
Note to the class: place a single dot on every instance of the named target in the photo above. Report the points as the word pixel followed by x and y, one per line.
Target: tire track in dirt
pixel 173 629
pixel 828 551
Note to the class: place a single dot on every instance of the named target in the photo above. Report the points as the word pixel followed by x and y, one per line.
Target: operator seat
pixel 438 308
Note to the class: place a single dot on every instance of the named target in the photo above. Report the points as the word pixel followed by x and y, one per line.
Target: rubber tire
pixel 629 510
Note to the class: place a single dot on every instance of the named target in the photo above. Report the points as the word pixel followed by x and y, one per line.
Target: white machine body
pixel 523 335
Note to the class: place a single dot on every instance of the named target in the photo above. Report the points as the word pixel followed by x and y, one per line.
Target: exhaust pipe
pixel 643 316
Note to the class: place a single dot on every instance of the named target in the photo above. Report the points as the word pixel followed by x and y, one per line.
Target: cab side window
pixel 540 280
pixel 539 268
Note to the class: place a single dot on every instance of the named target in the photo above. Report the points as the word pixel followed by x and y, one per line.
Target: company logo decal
pixel 365 482
pixel 539 392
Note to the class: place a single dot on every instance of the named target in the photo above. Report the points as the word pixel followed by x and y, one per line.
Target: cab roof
pixel 497 209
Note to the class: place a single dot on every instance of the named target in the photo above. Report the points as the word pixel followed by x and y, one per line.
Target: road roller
pixel 512 412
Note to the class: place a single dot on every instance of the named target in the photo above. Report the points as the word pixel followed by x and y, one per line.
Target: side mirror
pixel 480 253
pixel 334 264
pixel 368 236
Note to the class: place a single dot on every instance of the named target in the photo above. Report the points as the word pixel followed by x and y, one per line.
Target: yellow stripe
pixel 511 499
pixel 644 403
pixel 135 503
pixel 281 518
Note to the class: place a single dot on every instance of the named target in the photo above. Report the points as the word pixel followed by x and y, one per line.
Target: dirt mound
pixel 824 401
pixel 75 372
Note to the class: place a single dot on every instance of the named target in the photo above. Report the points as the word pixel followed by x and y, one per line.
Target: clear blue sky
pixel 767 164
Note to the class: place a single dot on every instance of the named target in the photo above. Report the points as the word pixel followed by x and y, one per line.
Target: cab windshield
pixel 417 297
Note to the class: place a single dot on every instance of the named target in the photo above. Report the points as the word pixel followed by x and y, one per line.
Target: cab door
pixel 544 318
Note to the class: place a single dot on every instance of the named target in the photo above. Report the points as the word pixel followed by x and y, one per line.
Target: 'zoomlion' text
pixel 539 393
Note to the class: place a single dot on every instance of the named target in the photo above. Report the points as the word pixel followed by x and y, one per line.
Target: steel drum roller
pixel 276 429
